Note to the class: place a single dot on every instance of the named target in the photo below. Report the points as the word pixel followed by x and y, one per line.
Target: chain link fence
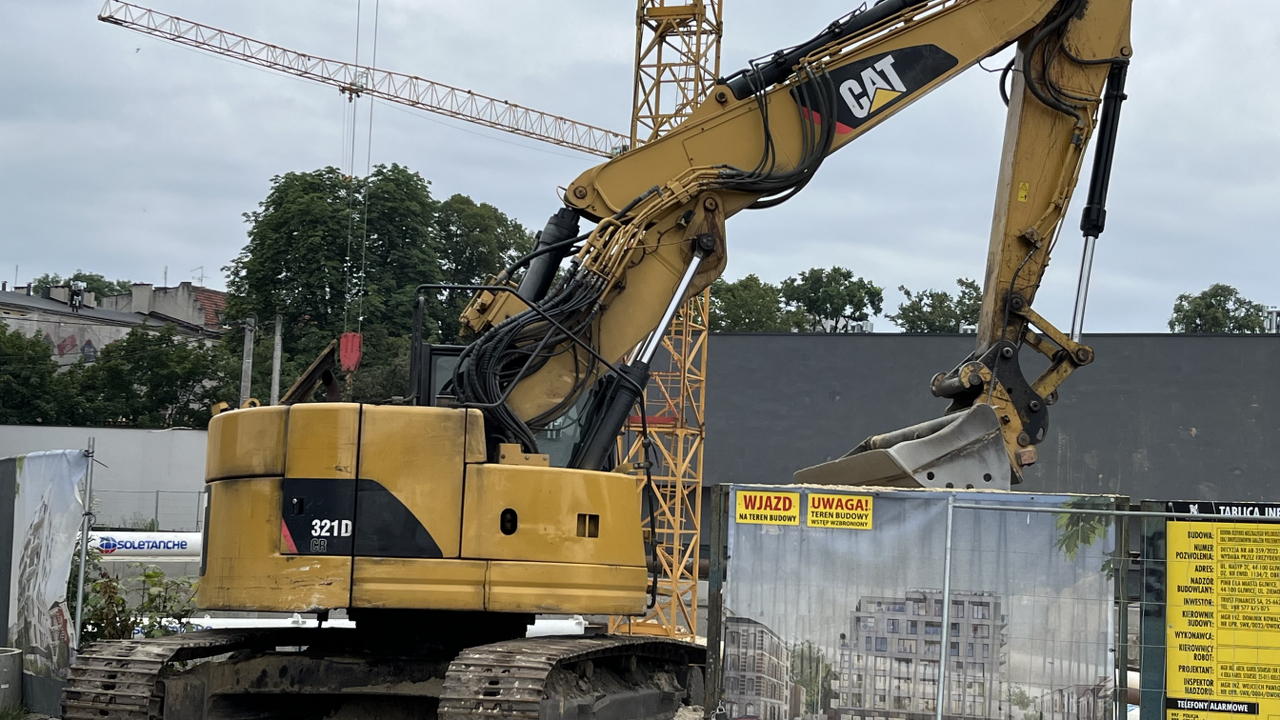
pixel 159 510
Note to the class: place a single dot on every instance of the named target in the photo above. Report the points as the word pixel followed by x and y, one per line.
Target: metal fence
pixel 1094 608
pixel 862 604
pixel 149 509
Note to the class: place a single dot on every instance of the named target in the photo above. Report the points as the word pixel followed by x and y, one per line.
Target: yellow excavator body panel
pixel 340 505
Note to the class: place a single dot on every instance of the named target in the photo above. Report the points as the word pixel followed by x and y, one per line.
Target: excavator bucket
pixel 963 450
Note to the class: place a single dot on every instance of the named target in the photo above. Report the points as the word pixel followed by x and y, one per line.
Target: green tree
pixel 747 305
pixel 937 311
pixel 296 263
pixel 1220 309
pixel 832 300
pixel 31 390
pixel 331 254
pixel 93 282
pixel 474 242
pixel 149 379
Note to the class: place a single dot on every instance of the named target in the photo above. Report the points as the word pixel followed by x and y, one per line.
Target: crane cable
pixel 368 172
pixel 348 169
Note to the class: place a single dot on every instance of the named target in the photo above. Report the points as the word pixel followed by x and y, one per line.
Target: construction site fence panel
pixel 870 604
pixel 166 510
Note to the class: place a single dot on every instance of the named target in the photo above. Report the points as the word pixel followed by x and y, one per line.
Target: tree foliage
pixel 831 301
pixel 115 608
pixel 330 253
pixel 747 305
pixel 151 378
pixel 1220 309
pixel 93 282
pixel 937 311
pixel 31 391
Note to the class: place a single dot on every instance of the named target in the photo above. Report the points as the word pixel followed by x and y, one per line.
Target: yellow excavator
pixel 441 528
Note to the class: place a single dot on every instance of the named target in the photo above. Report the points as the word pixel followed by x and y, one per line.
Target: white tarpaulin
pixel 46 517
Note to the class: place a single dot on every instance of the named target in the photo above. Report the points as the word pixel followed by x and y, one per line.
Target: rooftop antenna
pixel 198 278
pixel 166 276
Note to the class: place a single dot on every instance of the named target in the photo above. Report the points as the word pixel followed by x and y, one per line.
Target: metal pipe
pixel 246 361
pixel 1082 287
pixel 943 653
pixel 276 352
pixel 551 249
pixel 84 538
pixel 655 339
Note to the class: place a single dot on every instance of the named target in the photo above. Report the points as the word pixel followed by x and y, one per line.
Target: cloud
pixel 124 154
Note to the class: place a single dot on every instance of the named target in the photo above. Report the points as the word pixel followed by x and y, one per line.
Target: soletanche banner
pixel 46 517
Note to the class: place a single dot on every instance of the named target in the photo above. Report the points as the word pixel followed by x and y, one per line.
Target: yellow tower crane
pixel 677 63
pixel 359 80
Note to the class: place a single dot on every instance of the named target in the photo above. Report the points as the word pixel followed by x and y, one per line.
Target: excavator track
pixel 608 677
pixel 555 678
pixel 122 679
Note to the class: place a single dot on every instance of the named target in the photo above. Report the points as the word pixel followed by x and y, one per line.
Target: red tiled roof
pixel 213 302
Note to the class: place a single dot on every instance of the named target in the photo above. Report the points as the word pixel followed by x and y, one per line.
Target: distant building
pixel 890 660
pixel 185 304
pixel 757 673
pixel 77 325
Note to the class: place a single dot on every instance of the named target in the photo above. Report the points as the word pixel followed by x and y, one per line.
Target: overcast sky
pixel 124 154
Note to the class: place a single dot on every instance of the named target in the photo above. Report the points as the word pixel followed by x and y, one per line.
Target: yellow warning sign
pixel 768 508
pixel 1024 190
pixel 1223 636
pixel 852 512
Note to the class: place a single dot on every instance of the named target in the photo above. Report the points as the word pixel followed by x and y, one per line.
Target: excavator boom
pixel 760 138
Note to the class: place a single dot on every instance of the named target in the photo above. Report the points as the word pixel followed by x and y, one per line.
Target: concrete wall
pixel 1155 417
pixel 145 475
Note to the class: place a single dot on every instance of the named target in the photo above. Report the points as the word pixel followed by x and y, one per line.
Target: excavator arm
pixel 592 324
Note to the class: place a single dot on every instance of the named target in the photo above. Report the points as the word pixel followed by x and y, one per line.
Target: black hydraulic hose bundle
pixel 515 348
pixel 818 128
pixel 770 71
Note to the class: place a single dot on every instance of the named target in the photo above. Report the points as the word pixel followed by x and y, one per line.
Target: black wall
pixel 1155 417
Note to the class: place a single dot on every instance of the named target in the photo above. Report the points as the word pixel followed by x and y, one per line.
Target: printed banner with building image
pixel 840 616
pixel 46 517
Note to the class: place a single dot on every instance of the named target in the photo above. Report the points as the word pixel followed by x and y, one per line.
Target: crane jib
pixel 870 85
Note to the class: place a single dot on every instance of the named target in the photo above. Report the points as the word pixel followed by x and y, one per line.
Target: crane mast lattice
pixel 677 63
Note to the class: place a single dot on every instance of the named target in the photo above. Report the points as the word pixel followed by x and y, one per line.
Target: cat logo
pixel 871 84
pixel 875 87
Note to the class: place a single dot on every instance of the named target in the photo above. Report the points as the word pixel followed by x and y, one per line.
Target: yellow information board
pixel 852 512
pixel 1223 633
pixel 760 507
